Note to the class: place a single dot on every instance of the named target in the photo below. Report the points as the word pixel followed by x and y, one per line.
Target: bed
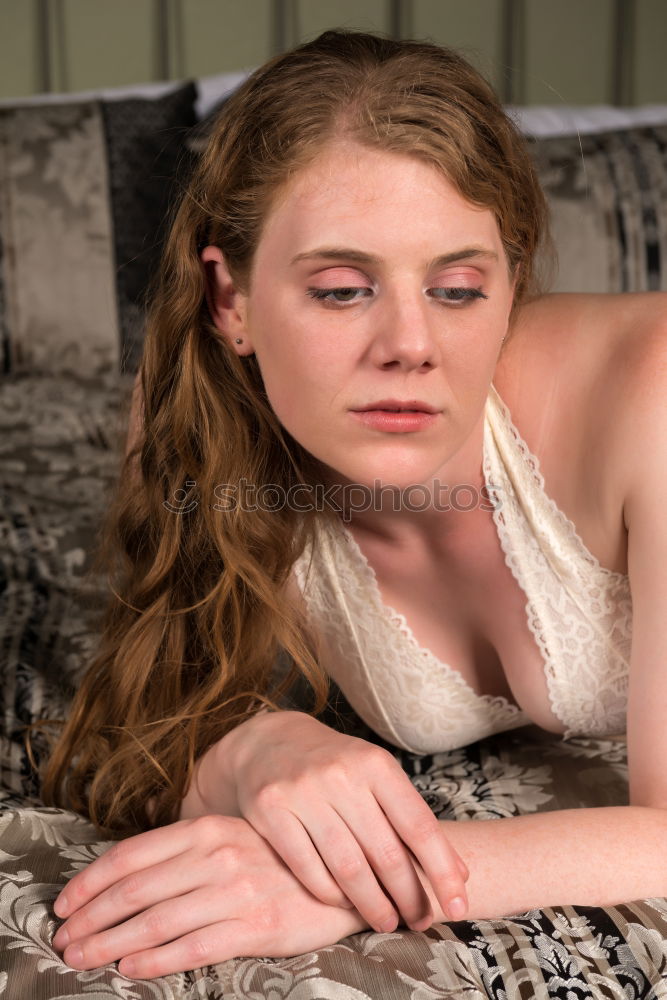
pixel 84 186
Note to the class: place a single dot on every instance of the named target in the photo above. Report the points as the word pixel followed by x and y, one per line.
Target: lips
pixel 399 406
pixel 393 421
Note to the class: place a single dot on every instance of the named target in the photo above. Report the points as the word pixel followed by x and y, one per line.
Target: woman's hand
pixel 193 893
pixel 344 817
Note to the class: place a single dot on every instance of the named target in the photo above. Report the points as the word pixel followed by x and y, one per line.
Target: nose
pixel 405 336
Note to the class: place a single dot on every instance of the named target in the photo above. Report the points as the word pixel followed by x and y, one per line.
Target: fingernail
pixel 75 955
pixel 456 908
pixel 129 967
pixel 422 924
pixel 388 926
pixel 61 905
pixel 61 939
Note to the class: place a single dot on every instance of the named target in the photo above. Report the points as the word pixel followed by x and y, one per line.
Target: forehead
pixel 351 192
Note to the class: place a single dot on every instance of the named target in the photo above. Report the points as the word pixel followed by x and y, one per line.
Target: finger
pixel 123 858
pixel 390 861
pixel 157 926
pixel 339 848
pixel 465 871
pixel 205 946
pixel 422 832
pixel 292 842
pixel 132 894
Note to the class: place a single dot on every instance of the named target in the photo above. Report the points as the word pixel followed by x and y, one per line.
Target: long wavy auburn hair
pixel 198 615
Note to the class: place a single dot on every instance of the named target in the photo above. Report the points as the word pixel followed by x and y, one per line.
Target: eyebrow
pixel 345 253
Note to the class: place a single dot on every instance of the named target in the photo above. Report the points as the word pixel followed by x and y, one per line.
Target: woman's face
pixel 375 280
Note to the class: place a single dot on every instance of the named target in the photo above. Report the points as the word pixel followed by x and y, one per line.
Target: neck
pixel 447 503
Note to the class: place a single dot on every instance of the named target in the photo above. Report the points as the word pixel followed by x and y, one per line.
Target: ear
pixel 227 305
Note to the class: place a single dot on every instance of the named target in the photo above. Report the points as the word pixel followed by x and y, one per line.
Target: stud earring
pixel 239 340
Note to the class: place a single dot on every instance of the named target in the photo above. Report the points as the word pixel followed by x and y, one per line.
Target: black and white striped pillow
pixel 607 194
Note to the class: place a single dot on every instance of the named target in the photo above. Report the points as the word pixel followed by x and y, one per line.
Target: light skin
pixel 401 340
pixel 411 329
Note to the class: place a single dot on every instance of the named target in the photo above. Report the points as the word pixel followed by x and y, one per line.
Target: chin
pixel 381 476
pixel 370 467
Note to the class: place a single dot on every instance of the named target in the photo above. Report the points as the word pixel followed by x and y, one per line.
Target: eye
pixel 456 295
pixel 335 297
pixel 323 294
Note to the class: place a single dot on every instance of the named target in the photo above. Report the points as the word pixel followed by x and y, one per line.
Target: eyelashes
pixel 322 294
pixel 461 294
pixel 457 296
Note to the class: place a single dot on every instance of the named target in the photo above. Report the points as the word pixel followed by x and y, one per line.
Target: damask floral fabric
pixel 59 457
pixel 568 951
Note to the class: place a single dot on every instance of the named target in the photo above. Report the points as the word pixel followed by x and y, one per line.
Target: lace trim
pixel 399 621
pixel 409 699
pixel 587 681
pixel 532 463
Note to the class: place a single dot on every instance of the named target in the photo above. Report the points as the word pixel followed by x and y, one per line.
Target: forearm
pixel 212 788
pixel 586 857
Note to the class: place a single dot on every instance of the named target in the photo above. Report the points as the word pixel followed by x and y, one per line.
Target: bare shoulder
pixel 639 345
pixel 607 344
pixel 628 387
pixel 637 401
pixel 564 318
pixel 587 375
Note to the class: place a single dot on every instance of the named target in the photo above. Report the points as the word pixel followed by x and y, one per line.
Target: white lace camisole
pixel 579 612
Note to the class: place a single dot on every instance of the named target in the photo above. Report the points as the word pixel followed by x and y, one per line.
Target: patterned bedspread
pixel 59 441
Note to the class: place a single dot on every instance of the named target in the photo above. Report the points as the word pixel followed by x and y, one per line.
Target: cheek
pixel 298 360
pixel 295 380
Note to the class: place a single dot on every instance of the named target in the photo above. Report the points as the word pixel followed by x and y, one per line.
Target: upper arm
pixel 645 453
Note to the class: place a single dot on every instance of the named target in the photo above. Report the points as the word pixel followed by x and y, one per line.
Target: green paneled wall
pixel 475 27
pixel 568 52
pixel 534 51
pixel 650 46
pixel 92 42
pixel 215 36
pixel 312 18
pixel 19 49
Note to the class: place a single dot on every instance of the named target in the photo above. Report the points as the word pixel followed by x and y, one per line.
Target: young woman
pixel 358 413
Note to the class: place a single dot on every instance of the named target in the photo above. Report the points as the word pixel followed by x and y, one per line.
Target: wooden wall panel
pixel 649 64
pixel 568 52
pixel 533 51
pixel 475 27
pixel 366 15
pixel 101 44
pixel 21 70
pixel 217 37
